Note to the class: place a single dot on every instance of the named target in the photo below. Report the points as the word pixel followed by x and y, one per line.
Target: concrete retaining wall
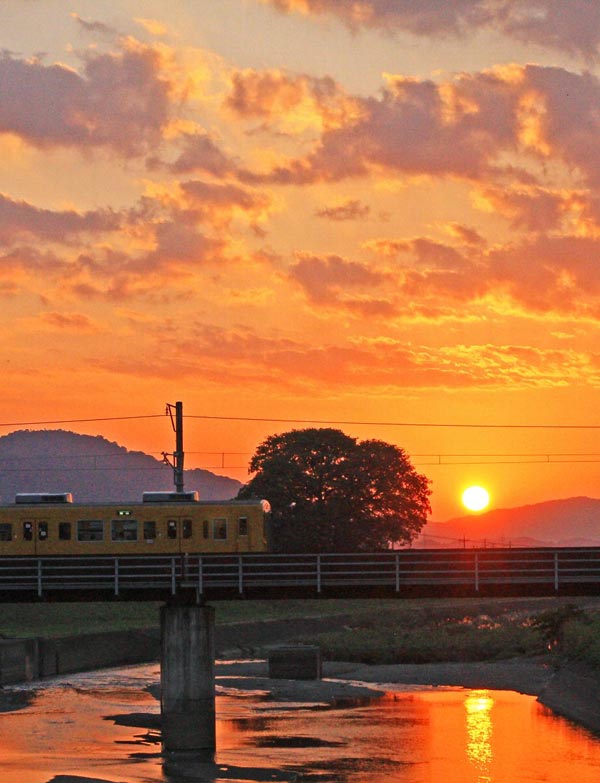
pixel 23 660
pixel 573 693
pixel 97 651
pixel 19 660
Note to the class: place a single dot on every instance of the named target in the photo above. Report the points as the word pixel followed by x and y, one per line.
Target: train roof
pixel 66 498
pixel 43 497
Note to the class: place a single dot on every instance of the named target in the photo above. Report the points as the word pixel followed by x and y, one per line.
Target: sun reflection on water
pixel 478 706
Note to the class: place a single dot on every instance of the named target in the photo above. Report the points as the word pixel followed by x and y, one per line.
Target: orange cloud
pixel 292 102
pixel 532 208
pixel 119 101
pixel 409 131
pixel 549 274
pixel 75 322
pixel 569 27
pixel 539 275
pixel 465 234
pixel 242 356
pixel 328 280
pixel 19 220
pixel 352 209
pixel 201 153
pixel 23 261
pixel 219 202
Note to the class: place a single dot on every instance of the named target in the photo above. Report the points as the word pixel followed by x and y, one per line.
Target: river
pixel 103 726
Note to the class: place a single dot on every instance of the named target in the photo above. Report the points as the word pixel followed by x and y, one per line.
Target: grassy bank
pixel 562 632
pixel 369 631
pixel 59 619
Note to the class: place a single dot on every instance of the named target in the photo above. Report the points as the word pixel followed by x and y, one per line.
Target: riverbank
pixel 451 639
pixel 570 690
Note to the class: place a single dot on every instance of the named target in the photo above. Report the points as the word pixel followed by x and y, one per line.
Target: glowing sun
pixel 475 498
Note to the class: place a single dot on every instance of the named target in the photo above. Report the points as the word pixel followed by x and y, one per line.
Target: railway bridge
pixel 201 577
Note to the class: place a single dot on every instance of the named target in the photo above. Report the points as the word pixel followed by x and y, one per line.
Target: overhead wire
pixel 80 421
pixel 440 459
pixel 397 423
pixel 345 422
pixel 429 460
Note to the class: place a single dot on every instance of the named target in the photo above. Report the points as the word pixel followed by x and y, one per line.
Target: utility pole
pixel 177 455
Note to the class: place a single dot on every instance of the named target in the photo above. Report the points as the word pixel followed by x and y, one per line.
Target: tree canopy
pixel 330 492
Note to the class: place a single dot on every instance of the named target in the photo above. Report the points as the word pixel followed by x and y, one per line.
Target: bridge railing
pixel 395 571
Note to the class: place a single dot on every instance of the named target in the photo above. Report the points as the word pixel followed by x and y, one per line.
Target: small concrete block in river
pixel 301 662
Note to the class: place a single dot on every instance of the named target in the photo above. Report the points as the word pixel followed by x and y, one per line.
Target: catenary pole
pixel 178 455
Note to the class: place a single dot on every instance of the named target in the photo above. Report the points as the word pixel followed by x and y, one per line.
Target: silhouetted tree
pixel 330 492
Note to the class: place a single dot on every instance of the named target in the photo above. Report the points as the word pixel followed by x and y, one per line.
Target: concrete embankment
pixel 574 693
pixel 23 660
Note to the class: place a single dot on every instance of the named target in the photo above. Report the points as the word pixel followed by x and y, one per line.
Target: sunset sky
pixel 382 212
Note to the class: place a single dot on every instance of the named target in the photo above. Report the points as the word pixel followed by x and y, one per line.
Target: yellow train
pixel 40 524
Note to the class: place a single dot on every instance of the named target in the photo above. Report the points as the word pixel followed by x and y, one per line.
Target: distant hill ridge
pixel 566 522
pixel 93 469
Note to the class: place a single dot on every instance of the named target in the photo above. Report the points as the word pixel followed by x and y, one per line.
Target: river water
pixel 103 726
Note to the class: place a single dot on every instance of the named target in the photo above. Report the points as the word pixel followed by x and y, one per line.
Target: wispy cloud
pixel 352 209
pixel 21 221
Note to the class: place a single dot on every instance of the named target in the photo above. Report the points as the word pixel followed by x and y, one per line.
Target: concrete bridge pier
pixel 187 678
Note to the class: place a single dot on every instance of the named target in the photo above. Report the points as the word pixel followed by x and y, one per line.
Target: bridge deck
pixel 402 572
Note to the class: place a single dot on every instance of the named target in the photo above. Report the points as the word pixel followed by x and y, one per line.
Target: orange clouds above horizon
pixel 191 211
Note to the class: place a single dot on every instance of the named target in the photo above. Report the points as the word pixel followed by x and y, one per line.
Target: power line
pixel 508 459
pixel 345 422
pixel 417 462
pixel 399 423
pixel 446 461
pixel 80 421
pixel 424 537
pixel 221 463
pixel 44 469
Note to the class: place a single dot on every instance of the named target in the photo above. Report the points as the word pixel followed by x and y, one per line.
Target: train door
pixel 36 532
pixel 244 543
pixel 179 533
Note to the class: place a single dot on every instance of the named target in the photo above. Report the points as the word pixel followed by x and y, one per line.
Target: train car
pixel 39 524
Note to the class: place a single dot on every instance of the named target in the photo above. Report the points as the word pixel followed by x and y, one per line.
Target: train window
pixel 206 529
pixel 149 530
pixel 90 530
pixel 64 531
pixel 187 528
pixel 172 528
pixel 42 531
pixel 124 530
pixel 220 529
pixel 28 531
pixel 5 531
pixel 243 526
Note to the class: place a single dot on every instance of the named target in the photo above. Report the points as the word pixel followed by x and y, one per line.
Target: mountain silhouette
pixel 93 469
pixel 566 522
